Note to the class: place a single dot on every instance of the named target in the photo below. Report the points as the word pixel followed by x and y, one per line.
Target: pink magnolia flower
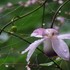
pixel 53 43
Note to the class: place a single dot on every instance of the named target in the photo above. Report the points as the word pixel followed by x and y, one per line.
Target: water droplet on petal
pixel 65 50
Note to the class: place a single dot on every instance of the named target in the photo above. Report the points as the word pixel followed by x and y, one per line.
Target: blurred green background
pixel 11 46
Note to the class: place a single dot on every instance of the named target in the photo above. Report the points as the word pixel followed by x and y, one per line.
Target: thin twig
pixel 22 16
pixel 55 15
pixel 37 47
pixel 43 16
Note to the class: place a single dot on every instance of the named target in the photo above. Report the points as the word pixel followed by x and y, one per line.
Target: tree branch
pixel 43 16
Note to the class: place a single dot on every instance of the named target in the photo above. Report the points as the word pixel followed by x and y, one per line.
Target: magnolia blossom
pixel 53 43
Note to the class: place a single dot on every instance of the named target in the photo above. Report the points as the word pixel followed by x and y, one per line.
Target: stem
pixel 43 16
pixel 37 47
pixel 20 17
pixel 55 15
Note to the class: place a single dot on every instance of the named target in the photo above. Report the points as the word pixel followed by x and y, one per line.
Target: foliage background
pixel 10 50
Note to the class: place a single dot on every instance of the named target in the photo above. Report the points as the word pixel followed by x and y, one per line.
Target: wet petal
pixel 32 48
pixel 48 48
pixel 64 36
pixel 38 32
pixel 61 48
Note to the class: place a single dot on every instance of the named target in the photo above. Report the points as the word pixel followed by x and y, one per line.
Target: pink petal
pixel 48 48
pixel 61 48
pixel 33 1
pixel 64 36
pixel 38 32
pixel 32 48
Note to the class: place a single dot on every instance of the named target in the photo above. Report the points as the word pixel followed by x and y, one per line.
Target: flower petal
pixel 27 49
pixel 61 48
pixel 50 31
pixel 64 36
pixel 48 48
pixel 32 48
pixel 38 32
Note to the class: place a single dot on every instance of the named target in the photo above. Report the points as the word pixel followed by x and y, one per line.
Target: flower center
pixel 51 33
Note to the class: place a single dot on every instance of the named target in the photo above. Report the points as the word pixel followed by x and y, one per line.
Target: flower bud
pixel 14 28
